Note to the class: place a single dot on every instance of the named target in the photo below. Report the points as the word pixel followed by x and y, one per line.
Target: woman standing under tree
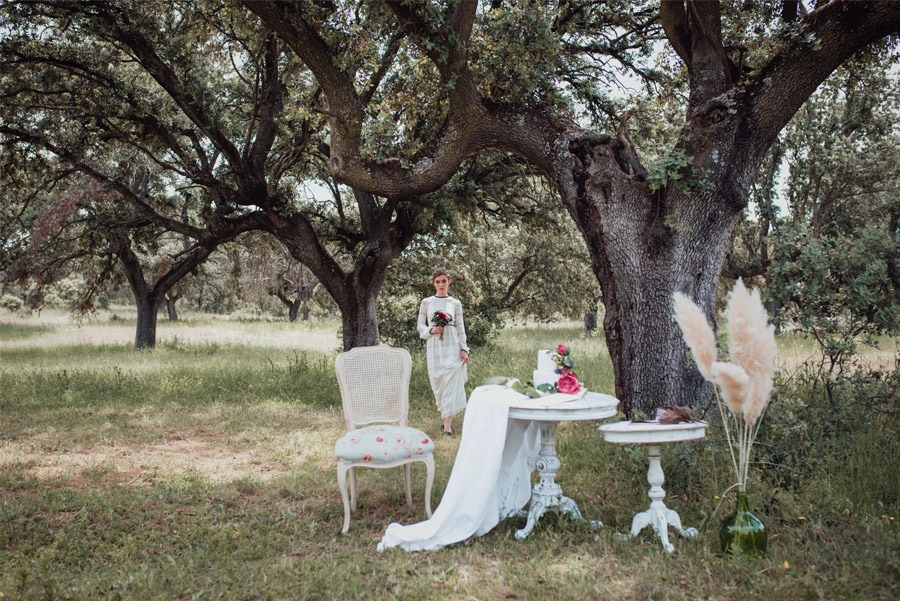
pixel 441 324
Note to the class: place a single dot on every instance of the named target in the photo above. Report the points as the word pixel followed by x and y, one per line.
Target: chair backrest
pixel 374 383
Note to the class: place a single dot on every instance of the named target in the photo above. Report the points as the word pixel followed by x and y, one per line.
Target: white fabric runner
pixel 490 480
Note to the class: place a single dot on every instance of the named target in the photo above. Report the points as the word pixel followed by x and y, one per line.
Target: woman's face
pixel 441 284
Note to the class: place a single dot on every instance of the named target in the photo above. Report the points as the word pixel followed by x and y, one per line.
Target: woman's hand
pixel 464 356
pixel 437 330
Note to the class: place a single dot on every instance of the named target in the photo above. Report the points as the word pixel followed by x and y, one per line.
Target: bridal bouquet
pixel 441 318
pixel 743 384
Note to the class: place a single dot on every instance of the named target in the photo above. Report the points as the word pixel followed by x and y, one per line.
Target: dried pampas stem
pixel 752 346
pixel 733 381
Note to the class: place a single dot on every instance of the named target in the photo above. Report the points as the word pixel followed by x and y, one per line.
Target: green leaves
pixel 840 289
pixel 674 168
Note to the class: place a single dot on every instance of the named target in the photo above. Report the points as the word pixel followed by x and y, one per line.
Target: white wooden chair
pixel 374 384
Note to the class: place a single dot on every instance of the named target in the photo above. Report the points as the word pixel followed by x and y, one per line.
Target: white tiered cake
pixel 547 370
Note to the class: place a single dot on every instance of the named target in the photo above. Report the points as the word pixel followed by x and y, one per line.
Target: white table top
pixel 565 407
pixel 652 432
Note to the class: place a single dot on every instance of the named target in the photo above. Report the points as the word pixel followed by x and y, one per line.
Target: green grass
pixel 203 470
pixel 10 331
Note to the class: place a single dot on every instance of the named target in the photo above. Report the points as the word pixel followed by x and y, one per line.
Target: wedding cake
pixel 547 371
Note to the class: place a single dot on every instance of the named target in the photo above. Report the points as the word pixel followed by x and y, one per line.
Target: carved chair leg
pixel 407 482
pixel 429 465
pixel 342 484
pixel 354 495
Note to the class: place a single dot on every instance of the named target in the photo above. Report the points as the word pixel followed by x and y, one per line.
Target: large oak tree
pixel 413 89
pixel 648 237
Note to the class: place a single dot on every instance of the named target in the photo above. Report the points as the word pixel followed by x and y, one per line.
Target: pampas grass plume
pixel 745 382
pixel 752 346
pixel 733 381
pixel 697 333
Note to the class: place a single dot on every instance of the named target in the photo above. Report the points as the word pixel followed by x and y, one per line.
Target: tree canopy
pixel 388 102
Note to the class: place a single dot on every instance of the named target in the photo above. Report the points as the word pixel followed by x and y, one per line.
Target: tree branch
pixel 835 31
pixel 673 17
pixel 143 49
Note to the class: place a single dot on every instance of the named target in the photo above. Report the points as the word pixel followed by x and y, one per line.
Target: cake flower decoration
pixel 565 362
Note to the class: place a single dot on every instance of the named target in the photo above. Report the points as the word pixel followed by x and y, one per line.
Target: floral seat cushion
pixel 383 444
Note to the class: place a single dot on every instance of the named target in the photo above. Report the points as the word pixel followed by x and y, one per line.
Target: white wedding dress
pixel 446 370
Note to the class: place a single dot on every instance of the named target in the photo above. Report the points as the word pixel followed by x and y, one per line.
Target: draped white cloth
pixel 446 370
pixel 490 480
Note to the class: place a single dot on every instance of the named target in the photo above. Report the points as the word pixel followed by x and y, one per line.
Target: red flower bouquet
pixel 441 318
pixel 568 383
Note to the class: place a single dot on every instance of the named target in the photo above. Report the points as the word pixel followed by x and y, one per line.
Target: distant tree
pixel 835 259
pixel 87 230
pixel 202 91
pixel 271 271
pixel 834 169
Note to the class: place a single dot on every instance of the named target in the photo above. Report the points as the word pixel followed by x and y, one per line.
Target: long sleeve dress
pixel 447 372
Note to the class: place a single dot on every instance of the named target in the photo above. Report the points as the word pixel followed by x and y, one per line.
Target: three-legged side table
pixel 653 435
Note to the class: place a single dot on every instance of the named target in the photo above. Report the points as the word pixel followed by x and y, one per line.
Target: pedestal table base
pixel 653 435
pixel 546 493
pixel 658 516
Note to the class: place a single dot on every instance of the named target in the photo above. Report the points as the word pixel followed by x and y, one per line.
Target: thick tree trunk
pixel 359 320
pixel 292 305
pixel 355 292
pixel 145 333
pixel 644 246
pixel 148 298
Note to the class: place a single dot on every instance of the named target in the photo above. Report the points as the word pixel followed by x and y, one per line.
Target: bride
pixel 441 324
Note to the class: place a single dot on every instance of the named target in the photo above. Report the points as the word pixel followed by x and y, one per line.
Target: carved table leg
pixel 658 516
pixel 546 493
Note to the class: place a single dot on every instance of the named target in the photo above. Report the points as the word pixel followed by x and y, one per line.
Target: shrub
pixel 11 303
pixel 397 317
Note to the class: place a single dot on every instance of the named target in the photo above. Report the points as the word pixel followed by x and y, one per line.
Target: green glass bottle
pixel 742 533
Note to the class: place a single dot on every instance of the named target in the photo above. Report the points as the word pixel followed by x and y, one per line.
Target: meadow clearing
pixel 203 469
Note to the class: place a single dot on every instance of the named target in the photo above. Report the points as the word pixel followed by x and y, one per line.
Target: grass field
pixel 203 469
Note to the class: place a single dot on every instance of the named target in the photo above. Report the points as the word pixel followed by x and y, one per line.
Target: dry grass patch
pixel 272 441
pixel 59 329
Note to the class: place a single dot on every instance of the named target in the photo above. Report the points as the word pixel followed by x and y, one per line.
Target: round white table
pixel 654 434
pixel 548 411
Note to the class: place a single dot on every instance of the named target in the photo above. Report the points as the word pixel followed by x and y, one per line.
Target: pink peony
pixel 568 383
pixel 561 349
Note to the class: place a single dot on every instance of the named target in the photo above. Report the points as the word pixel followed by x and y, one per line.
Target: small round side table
pixel 654 434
